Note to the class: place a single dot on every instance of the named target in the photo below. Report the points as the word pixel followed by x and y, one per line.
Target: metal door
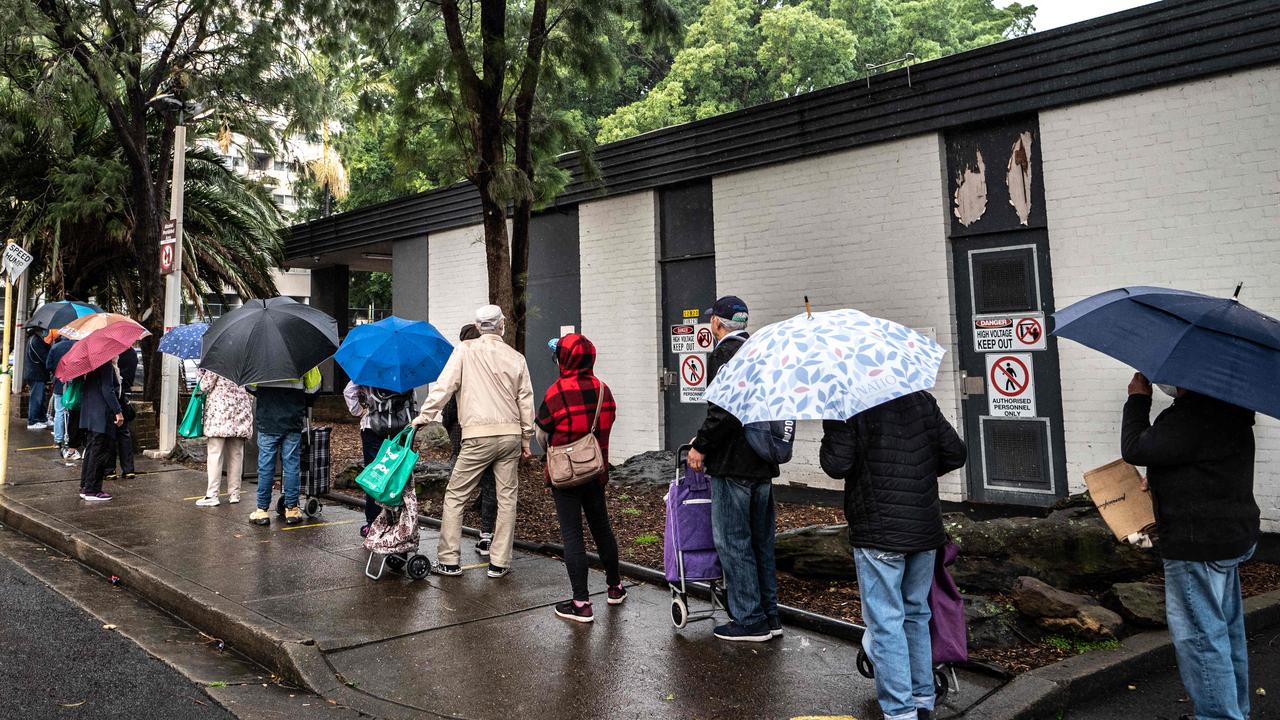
pixel 1011 388
pixel 554 298
pixel 688 279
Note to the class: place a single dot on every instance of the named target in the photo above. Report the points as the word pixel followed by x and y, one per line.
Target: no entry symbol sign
pixel 705 338
pixel 693 378
pixel 1029 331
pixel 1012 385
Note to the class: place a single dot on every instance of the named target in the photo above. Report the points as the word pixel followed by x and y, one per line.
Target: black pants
pixel 122 450
pixel 571 504
pixel 97 451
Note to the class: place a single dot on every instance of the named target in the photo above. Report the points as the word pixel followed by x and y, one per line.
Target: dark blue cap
pixel 729 307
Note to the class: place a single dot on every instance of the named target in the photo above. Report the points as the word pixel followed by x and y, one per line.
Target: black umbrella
pixel 53 315
pixel 266 340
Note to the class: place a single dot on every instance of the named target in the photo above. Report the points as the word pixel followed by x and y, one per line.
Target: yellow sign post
pixel 15 262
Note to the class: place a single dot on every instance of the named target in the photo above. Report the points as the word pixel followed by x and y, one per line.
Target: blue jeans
pixel 287 447
pixel 742 523
pixel 1206 619
pixel 895 606
pixel 59 420
pixel 35 404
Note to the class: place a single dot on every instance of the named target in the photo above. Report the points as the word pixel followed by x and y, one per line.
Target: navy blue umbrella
pixel 184 341
pixel 1213 346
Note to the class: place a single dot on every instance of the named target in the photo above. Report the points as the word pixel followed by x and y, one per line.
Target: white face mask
pixel 1169 390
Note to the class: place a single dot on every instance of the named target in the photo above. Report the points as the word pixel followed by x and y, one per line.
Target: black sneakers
pixel 570 610
pixel 497 572
pixel 450 570
pixel 617 594
pixel 482 547
pixel 734 632
pixel 775 626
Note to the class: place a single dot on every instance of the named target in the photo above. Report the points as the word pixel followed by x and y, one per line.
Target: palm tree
pixel 65 196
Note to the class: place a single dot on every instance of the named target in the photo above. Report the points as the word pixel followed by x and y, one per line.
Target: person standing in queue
pixel 495 409
pixel 743 514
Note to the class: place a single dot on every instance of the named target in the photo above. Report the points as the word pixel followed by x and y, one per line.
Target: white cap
pixel 488 317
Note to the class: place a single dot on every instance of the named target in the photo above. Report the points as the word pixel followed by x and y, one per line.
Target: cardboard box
pixel 1116 489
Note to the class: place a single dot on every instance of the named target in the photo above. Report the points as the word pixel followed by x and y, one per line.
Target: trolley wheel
pixel 419 567
pixel 679 610
pixel 866 669
pixel 312 507
pixel 280 506
pixel 396 562
pixel 941 684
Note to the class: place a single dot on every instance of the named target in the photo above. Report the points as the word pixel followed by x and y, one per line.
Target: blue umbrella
pixel 184 341
pixel 1213 346
pixel 394 354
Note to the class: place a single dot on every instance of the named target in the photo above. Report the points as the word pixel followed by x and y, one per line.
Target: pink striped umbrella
pixel 98 348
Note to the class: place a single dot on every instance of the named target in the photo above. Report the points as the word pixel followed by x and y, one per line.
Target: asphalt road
pixel 57 661
pixel 1158 694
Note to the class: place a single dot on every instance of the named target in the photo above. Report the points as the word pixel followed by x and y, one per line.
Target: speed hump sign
pixel 1011 385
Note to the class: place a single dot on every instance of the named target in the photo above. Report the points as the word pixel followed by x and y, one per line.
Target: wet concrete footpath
pixel 296 600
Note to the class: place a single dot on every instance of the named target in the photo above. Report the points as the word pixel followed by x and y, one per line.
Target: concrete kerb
pixel 292 656
pixel 1043 692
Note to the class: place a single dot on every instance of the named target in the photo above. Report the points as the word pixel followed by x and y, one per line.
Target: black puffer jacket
pixel 1199 460
pixel 890 458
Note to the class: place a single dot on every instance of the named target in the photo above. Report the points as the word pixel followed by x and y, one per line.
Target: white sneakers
pixel 234 499
pixel 208 502
pixel 38 426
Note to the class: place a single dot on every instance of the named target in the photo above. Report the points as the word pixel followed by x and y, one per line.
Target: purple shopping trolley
pixel 689 551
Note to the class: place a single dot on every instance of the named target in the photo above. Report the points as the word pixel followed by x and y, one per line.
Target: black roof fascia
pixel 1146 47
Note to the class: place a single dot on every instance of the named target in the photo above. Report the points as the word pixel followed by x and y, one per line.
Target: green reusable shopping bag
pixel 193 420
pixel 386 477
pixel 71 392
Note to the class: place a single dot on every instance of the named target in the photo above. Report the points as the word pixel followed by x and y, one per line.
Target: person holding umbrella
pixel 101 416
pixel 1219 360
pixel 37 377
pixel 273 347
pixel 228 423
pixel 122 448
pixel 66 423
pixel 386 360
pixel 94 358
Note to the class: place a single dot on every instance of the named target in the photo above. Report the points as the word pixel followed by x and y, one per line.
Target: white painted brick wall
pixel 1179 187
pixel 863 229
pixel 459 281
pixel 620 303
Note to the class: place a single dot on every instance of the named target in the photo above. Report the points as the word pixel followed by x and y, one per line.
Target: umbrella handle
pixel 807 307
pixel 1236 295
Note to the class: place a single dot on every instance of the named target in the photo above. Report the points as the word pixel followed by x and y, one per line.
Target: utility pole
pixel 173 295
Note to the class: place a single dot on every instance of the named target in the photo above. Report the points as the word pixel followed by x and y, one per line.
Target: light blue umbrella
pixel 394 354
pixel 184 341
pixel 825 366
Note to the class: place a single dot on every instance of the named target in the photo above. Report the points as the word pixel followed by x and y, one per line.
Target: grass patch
pixel 1066 644
pixel 631 511
pixel 647 540
pixel 217 684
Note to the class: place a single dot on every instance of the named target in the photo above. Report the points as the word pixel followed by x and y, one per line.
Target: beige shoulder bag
pixel 581 461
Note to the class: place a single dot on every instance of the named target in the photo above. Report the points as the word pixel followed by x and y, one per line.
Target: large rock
pixel 818 551
pixel 430 472
pixel 991 625
pixel 1059 610
pixel 1141 604
pixel 656 467
pixel 1072 548
pixel 345 477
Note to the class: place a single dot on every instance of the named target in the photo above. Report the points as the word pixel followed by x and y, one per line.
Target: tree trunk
pixel 520 220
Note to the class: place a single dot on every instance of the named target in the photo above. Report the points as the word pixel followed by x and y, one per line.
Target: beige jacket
pixel 495 395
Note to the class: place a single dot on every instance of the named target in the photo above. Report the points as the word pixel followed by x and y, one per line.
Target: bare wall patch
pixel 1018 177
pixel 971 192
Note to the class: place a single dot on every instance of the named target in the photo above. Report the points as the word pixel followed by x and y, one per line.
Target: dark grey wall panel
pixel 555 291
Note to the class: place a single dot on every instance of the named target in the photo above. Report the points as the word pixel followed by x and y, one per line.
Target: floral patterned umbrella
pixel 825 366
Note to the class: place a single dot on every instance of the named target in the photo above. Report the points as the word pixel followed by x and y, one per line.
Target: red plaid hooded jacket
pixel 570 403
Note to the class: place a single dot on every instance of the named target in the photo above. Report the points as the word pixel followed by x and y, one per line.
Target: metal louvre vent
pixel 1004 281
pixel 1016 454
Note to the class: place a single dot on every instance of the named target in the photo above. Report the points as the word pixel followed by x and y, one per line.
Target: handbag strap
pixel 595 421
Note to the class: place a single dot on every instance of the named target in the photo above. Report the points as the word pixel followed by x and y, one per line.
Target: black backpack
pixel 388 412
